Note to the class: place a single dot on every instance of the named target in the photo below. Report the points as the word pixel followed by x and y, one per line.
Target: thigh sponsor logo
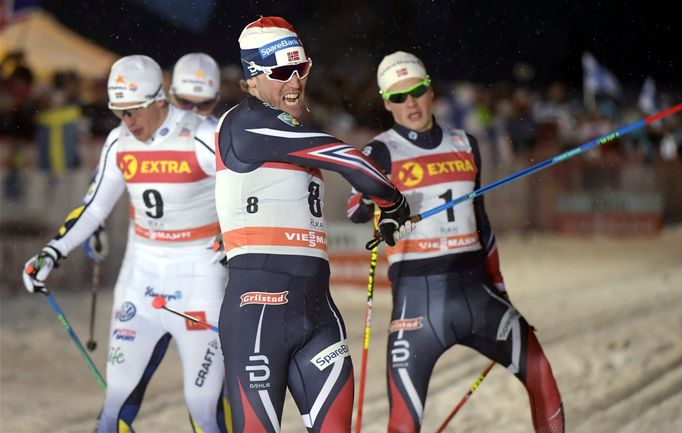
pixel 206 365
pixel 400 353
pixel 124 334
pixel 126 312
pixel 258 371
pixel 151 293
pixel 194 326
pixel 331 354
pixel 264 298
pixel 406 324
pixel 116 356
pixel 503 330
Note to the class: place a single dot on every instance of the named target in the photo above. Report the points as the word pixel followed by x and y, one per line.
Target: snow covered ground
pixel 608 313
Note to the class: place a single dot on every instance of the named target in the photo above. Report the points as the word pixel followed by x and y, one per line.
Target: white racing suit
pixel 170 180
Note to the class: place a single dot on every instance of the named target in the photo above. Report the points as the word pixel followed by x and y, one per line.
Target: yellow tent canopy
pixel 49 46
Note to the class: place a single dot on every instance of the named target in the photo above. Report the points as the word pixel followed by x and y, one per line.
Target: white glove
pixel 218 248
pixel 96 247
pixel 38 268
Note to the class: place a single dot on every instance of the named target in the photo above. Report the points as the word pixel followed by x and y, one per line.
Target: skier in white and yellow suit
pixel 164 157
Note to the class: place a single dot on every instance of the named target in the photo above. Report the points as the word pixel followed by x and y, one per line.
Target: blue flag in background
pixel 597 79
pixel 13 10
pixel 647 97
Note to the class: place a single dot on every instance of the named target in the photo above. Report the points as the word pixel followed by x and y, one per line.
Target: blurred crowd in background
pixel 509 119
pixel 49 125
pixel 52 131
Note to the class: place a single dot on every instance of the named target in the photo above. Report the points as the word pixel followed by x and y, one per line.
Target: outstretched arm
pixel 260 134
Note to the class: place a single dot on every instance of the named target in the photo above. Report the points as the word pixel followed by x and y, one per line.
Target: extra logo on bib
pixel 159 166
pixel 264 298
pixel 434 169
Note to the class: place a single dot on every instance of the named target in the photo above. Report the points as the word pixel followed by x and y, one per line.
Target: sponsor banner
pixel 351 268
pixel 433 169
pixel 162 166
pixel 280 44
pixel 406 324
pixel 431 245
pixel 151 293
pixel 609 224
pixel 124 334
pixel 348 258
pixel 623 202
pixel 264 298
pixel 275 236
pixel 202 232
pixel 330 355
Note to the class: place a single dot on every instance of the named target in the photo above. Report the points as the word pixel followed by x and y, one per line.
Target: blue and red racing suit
pixel 278 325
pixel 445 277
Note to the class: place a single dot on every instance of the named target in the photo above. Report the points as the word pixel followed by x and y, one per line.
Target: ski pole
pixel 74 337
pixel 464 399
pixel 160 303
pixel 368 320
pixel 91 344
pixel 537 167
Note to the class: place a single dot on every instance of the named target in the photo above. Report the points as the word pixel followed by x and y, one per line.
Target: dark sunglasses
pixel 186 104
pixel 416 91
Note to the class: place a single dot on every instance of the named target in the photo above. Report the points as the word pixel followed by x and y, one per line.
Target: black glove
pixel 392 221
pixel 96 247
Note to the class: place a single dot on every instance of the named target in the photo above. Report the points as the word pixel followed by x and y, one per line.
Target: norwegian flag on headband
pixel 400 72
pixel 293 56
pixel 12 11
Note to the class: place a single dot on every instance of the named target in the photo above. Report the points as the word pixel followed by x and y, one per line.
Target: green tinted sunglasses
pixel 415 91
